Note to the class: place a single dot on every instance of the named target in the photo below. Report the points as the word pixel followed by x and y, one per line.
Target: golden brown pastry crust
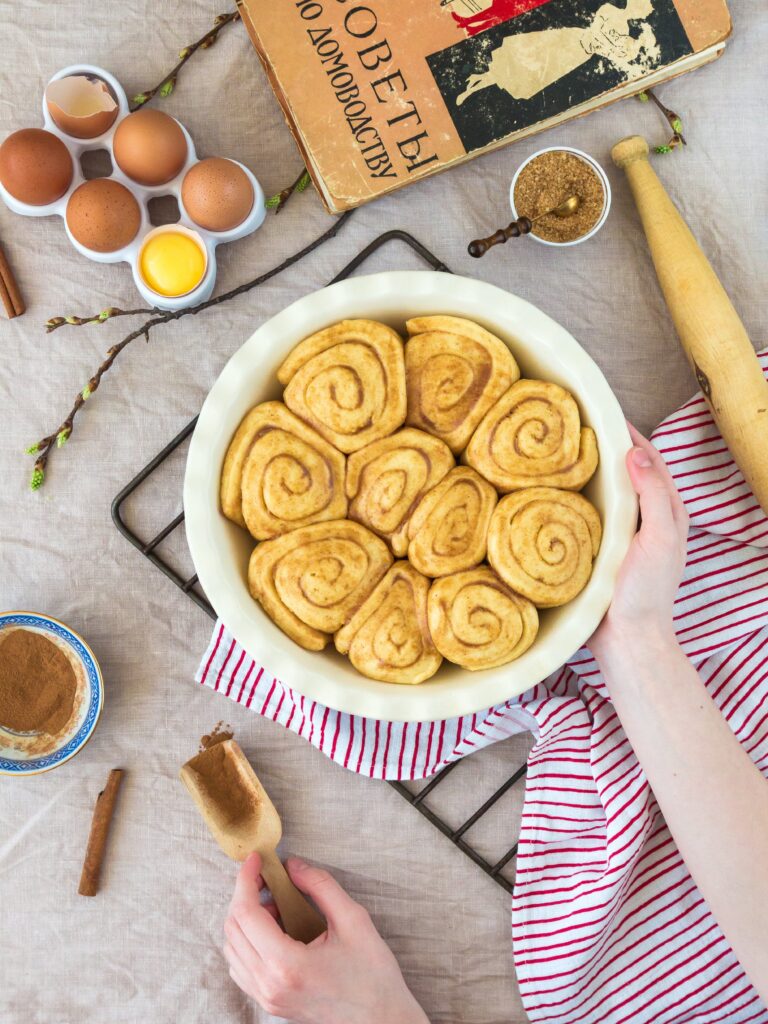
pixel 532 437
pixel 312 580
pixel 388 637
pixel 477 622
pixel 279 474
pixel 448 530
pixel 387 479
pixel 348 382
pixel 455 370
pixel 542 542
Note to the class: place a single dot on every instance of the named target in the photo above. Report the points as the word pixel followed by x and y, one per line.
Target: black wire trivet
pixel 189 584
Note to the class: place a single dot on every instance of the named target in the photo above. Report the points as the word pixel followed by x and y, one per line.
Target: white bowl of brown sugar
pixel 51 693
pixel 550 177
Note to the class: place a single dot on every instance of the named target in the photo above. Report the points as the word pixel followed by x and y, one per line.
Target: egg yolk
pixel 172 263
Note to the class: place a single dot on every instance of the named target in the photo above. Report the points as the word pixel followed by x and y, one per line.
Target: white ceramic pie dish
pixel 220 549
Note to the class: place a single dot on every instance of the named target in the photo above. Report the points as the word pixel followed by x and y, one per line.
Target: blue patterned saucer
pixel 17 762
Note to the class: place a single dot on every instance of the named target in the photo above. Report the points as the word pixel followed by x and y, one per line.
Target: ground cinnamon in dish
pixel 38 684
pixel 549 180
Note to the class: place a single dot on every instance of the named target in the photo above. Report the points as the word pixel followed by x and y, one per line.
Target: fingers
pixel 337 906
pixel 249 881
pixel 655 500
pixel 257 922
pixel 239 944
pixel 639 469
pixel 239 974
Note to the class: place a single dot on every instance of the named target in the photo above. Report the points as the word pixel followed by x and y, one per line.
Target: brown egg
pixel 35 166
pixel 103 215
pixel 217 194
pixel 81 106
pixel 150 147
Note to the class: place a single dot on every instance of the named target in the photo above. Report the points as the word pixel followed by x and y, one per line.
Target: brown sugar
pixel 38 684
pixel 546 182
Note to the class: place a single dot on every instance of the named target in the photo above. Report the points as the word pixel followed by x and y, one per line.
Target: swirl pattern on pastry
pixel 387 479
pixel 542 543
pixel 477 622
pixel 348 382
pixel 388 637
pixel 455 370
pixel 310 581
pixel 532 437
pixel 449 527
pixel 280 474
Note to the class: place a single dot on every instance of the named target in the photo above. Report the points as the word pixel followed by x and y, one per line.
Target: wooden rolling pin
pixel 709 328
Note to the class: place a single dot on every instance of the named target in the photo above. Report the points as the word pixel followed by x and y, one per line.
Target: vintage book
pixel 379 93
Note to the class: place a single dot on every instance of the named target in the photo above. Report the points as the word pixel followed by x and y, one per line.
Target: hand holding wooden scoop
pixel 712 335
pixel 242 819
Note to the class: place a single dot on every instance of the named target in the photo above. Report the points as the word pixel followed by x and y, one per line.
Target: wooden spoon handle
pixel 299 918
pixel 480 246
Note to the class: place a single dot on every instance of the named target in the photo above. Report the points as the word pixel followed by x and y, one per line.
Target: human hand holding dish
pixel 330 526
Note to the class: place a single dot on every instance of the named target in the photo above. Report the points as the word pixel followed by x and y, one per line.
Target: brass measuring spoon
pixel 522 226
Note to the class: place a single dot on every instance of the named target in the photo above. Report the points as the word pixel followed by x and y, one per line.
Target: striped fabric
pixel 608 927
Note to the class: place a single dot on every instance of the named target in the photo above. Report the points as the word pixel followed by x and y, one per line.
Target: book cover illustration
pixel 514 71
pixel 379 93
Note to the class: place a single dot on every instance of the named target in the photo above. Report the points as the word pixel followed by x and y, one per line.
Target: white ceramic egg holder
pixel 142 193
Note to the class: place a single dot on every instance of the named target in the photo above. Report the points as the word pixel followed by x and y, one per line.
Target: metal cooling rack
pixel 423 795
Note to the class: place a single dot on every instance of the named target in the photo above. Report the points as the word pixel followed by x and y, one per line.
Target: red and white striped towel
pixel 608 927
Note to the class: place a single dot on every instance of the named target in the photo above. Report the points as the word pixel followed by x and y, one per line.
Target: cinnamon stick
pixel 9 289
pixel 97 840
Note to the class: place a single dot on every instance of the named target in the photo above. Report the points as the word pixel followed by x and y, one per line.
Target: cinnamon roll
pixel 449 528
pixel 532 437
pixel 455 370
pixel 310 581
pixel 542 542
pixel 386 480
pixel 388 638
pixel 280 474
pixel 477 622
pixel 348 382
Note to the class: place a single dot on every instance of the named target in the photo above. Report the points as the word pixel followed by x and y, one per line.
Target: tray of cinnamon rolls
pixel 409 499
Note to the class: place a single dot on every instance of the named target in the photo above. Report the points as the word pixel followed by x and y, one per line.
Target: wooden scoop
pixel 242 819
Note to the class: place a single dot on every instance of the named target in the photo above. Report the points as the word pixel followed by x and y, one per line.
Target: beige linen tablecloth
pixel 147 948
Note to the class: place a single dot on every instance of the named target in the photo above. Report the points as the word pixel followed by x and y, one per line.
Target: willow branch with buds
pixel 44 448
pixel 166 85
pixel 673 119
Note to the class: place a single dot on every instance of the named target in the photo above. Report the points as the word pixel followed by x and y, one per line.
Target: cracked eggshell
pixel 81 106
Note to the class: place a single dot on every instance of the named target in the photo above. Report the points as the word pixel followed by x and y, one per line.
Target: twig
pixel 673 119
pixel 277 202
pixel 45 446
pixel 98 318
pixel 166 85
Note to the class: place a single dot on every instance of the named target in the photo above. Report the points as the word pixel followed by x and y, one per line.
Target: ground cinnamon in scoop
pixel 38 684
pixel 546 182
pixel 218 734
pixel 220 778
